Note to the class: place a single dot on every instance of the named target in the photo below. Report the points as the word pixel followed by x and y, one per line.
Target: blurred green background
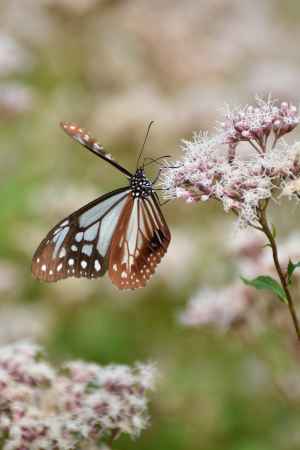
pixel 112 66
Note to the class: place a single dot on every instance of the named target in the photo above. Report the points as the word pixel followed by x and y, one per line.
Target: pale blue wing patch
pixel 108 226
pixel 59 239
pixel 91 233
pixel 98 211
pixel 78 245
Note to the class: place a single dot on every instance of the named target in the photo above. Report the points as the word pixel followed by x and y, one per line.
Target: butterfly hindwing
pixel 140 240
pixel 78 246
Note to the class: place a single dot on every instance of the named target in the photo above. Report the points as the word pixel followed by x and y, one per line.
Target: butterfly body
pixel 140 185
pixel 122 232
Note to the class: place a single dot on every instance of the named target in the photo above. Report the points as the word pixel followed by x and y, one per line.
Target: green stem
pixel 283 280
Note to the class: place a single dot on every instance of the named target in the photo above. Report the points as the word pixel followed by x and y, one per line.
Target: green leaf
pixel 290 270
pixel 267 283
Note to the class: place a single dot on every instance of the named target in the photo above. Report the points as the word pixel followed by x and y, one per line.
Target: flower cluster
pixel 218 168
pixel 222 308
pixel 249 252
pixel 78 406
pixel 256 123
pixel 236 304
pixel 18 322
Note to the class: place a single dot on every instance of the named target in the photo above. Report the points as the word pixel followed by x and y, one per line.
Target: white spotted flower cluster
pixel 245 163
pixel 77 407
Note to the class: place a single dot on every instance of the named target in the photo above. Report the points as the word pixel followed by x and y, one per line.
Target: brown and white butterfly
pixel 123 232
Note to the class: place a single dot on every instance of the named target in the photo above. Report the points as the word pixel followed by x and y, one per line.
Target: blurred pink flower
pixel 42 408
pixel 219 308
pixel 15 98
pixel 247 244
pixel 23 322
pixel 8 277
pixel 252 258
pixel 13 57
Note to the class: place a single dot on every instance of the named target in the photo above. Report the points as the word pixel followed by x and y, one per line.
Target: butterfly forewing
pixel 140 240
pixel 83 137
pixel 78 246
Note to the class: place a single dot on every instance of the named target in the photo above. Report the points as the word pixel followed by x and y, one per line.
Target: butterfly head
pixel 140 185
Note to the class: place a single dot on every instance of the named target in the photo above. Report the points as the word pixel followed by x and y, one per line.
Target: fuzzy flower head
pixel 252 258
pixel 256 123
pixel 237 305
pixel 222 308
pixel 214 168
pixel 77 406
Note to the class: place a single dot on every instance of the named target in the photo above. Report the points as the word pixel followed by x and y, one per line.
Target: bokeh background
pixel 112 66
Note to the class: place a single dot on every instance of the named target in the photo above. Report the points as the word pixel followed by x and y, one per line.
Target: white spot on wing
pixel 97 265
pixel 71 262
pixel 79 236
pixel 83 264
pixel 44 267
pixel 62 253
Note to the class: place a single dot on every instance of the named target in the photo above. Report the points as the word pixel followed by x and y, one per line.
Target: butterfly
pixel 123 232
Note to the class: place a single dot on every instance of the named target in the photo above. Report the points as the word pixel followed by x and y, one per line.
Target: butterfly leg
pixel 157 177
pixel 164 203
pixel 154 161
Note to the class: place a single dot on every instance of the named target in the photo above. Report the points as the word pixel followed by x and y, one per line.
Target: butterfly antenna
pixel 145 140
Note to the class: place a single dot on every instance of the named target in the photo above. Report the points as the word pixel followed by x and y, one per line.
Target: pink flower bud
pixel 246 134
pixel 277 124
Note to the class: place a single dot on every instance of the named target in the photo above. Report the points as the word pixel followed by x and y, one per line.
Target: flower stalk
pixel 265 228
pixel 244 178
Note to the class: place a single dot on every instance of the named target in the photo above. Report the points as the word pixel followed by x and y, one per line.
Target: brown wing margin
pixel 140 240
pixel 72 250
